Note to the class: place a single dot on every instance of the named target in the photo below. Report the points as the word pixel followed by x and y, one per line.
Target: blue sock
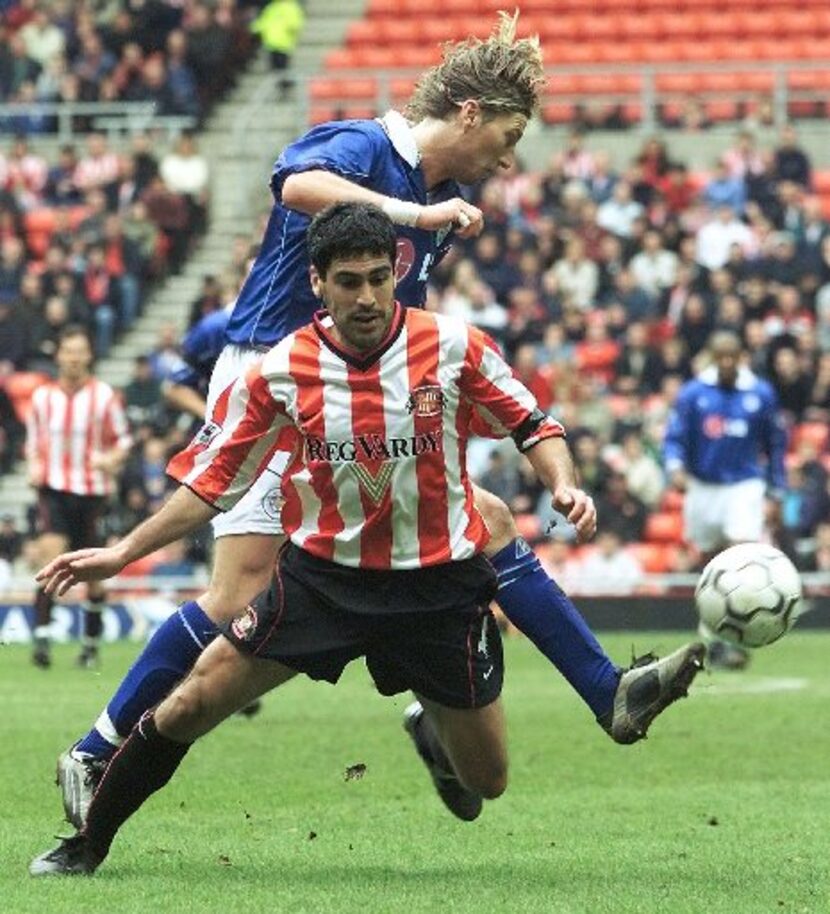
pixel 537 607
pixel 168 656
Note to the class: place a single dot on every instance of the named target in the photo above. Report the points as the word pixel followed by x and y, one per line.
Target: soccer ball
pixel 749 594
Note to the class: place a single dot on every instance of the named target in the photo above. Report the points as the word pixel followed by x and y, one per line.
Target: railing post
pixel 648 96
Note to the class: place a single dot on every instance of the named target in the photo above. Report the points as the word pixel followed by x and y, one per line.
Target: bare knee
pixel 242 569
pixel 488 780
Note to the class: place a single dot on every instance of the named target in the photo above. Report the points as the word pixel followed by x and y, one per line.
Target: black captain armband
pixel 536 428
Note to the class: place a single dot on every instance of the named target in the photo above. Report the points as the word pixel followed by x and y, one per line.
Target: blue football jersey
pixel 727 434
pixel 200 349
pixel 380 154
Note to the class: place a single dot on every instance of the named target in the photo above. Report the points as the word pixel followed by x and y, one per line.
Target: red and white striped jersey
pixel 66 430
pixel 378 475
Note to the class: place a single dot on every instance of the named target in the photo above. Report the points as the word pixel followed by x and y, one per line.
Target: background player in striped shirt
pixel 77 440
pixel 385 558
pixel 463 124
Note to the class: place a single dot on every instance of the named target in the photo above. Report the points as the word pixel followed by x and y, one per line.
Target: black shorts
pixel 77 517
pixel 436 636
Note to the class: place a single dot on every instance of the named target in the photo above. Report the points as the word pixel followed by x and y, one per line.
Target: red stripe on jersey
pixel 260 414
pixel 304 367
pixel 369 421
pixel 476 531
pixel 433 511
pixel 90 442
pixel 181 464
pixel 220 407
pixel 68 418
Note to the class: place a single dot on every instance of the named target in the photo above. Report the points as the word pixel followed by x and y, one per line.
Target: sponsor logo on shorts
pixel 426 401
pixel 244 626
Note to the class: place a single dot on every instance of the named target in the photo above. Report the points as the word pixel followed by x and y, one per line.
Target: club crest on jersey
pixel 244 626
pixel 425 402
pixel 206 434
pixel 272 503
pixel 405 259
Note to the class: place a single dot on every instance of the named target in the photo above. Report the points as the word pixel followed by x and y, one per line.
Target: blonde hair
pixel 503 74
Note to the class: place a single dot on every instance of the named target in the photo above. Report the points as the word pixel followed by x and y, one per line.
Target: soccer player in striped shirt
pixel 77 440
pixel 386 553
pixel 463 123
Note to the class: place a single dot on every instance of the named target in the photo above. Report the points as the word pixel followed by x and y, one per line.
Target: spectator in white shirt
pixel 617 215
pixel 609 569
pixel 185 171
pixel 716 237
pixel 577 276
pixel 654 268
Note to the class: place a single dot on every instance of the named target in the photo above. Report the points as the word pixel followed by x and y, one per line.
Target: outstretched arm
pixel 310 191
pixel 182 514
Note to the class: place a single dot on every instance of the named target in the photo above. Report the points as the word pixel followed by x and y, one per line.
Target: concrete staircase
pixel 241 140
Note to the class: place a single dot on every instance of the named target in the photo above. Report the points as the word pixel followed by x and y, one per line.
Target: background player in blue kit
pixel 725 446
pixel 464 121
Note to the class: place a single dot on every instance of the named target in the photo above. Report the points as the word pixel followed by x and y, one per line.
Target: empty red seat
pixel 19 386
pixel 654 558
pixel 816 434
pixel 664 527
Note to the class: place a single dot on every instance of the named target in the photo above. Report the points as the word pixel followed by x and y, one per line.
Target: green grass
pixel 725 809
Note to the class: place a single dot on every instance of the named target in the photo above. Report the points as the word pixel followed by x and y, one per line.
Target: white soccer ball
pixel 749 594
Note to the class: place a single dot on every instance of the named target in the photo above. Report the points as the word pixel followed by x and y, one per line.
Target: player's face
pixel 359 293
pixel 487 144
pixel 74 356
pixel 727 358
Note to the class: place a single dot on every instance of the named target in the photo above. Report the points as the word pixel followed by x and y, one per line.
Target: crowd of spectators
pixel 178 56
pixel 602 284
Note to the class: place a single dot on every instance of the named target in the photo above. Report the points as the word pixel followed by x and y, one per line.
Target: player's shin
pixel 539 609
pixel 143 765
pixel 168 656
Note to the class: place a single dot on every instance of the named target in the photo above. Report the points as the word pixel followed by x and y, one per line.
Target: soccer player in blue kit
pixel 463 122
pixel 724 447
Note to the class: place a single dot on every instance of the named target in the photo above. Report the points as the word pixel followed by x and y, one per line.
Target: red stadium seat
pixel 19 386
pixel 558 113
pixel 528 526
pixel 655 558
pixel 664 527
pixel 815 433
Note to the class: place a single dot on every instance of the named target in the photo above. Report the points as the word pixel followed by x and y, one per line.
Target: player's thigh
pixel 475 740
pixel 497 517
pixel 744 515
pixel 242 569
pixel 222 681
pixel 50 545
pixel 703 516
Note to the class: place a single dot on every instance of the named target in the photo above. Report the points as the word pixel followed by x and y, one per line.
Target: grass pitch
pixel 724 809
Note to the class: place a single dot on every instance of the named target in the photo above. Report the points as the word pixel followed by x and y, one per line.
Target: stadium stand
pixel 507 280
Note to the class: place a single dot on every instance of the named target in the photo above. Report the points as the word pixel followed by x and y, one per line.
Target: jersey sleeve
pixel 347 148
pixel 501 400
pixel 248 425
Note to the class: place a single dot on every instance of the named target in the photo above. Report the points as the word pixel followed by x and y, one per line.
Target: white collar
pixel 401 137
pixel 745 380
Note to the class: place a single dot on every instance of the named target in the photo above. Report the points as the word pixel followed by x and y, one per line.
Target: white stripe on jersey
pixel 66 431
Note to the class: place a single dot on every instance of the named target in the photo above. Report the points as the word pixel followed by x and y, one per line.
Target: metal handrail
pixel 113 117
